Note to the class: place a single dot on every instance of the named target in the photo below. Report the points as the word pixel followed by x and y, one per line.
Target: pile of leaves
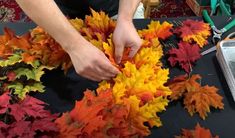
pixel 23 60
pixel 198 132
pixel 25 118
pixel 121 107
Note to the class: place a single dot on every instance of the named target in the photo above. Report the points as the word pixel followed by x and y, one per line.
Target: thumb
pixel 119 48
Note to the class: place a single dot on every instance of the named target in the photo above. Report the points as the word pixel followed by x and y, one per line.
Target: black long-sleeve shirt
pixel 80 8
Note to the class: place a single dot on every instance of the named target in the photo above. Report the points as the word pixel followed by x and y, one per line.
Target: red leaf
pixel 185 55
pixel 45 124
pixel 194 31
pixel 4 102
pixel 29 106
pixel 11 76
pixel 20 129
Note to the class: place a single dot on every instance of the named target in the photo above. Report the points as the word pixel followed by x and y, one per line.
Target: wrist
pixel 72 42
pixel 123 18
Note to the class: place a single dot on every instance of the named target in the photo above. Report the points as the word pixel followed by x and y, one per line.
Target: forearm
pixel 48 16
pixel 127 9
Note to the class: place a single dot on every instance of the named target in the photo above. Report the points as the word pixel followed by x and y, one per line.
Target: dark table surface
pixel 62 91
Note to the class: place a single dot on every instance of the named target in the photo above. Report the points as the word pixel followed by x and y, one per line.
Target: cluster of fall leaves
pixel 123 107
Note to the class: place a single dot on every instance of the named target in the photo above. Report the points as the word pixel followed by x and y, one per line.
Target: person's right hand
pixel 91 63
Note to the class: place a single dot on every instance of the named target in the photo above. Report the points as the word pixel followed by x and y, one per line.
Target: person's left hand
pixel 125 35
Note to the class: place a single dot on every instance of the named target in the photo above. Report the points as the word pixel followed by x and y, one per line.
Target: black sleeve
pixel 108 6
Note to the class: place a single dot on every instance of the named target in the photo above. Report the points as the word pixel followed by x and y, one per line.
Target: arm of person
pixel 125 34
pixel 47 15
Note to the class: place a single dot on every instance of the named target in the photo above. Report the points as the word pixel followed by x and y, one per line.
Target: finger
pixel 109 68
pixel 95 76
pixel 119 48
pixel 106 74
pixel 134 50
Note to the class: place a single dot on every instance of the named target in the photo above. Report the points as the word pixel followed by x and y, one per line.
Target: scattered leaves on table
pixel 193 31
pixel 197 98
pixel 198 132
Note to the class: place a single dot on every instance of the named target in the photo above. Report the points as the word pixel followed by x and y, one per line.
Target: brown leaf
pixel 201 99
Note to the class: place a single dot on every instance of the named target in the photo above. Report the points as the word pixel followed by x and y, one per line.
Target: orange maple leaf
pixel 182 84
pixel 156 30
pixel 199 132
pixel 98 116
pixel 201 99
pixel 197 98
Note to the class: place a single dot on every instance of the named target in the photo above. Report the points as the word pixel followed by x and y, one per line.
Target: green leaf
pixel 35 64
pixel 11 60
pixel 34 74
pixel 21 90
pixel 3 78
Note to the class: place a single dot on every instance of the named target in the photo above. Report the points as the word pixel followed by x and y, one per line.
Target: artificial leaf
pixel 34 74
pixel 198 132
pixel 4 102
pixel 29 106
pixel 47 50
pixel 104 119
pixel 182 84
pixel 197 98
pixel 194 31
pixel 20 129
pixel 185 55
pixel 11 76
pixel 15 58
pixel 67 127
pixel 200 101
pixel 25 118
pixel 156 30
pixel 21 90
pixel 45 124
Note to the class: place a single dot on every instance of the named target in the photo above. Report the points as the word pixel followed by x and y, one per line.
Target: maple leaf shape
pixel 21 90
pixel 185 55
pixel 182 84
pixel 11 60
pixel 198 132
pixel 91 109
pixel 29 106
pixel 194 31
pixel 47 50
pixel 45 124
pixel 20 129
pixel 156 30
pixel 197 98
pixel 200 101
pixel 4 102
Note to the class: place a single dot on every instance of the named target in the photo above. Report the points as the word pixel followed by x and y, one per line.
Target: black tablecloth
pixel 62 91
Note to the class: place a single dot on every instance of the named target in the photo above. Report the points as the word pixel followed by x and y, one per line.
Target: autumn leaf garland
pixel 119 108
pixel 139 90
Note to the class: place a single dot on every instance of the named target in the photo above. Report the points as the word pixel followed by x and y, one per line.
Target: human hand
pixel 91 63
pixel 125 35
